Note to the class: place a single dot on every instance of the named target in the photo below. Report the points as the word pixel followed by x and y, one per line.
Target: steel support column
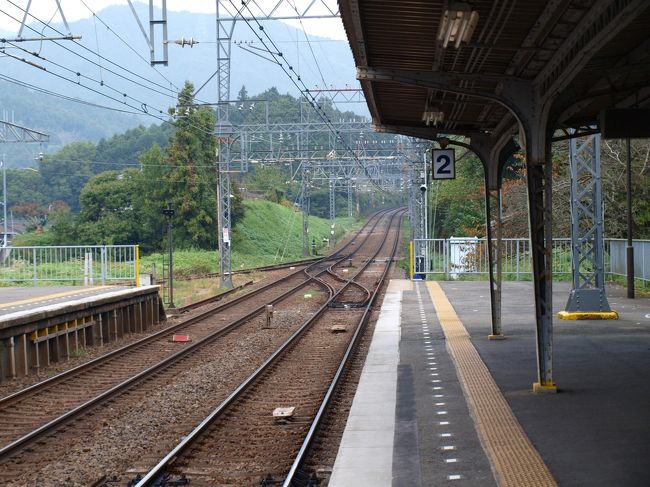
pixel 332 194
pixel 494 154
pixel 493 227
pixel 539 202
pixel 224 30
pixel 224 200
pixel 304 205
pixel 350 200
pixel 587 248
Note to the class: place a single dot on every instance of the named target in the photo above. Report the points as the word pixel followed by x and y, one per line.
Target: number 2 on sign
pixel 444 168
pixel 444 164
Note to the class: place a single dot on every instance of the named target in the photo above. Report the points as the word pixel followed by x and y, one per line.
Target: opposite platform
pixel 39 326
pixel 13 299
pixel 594 432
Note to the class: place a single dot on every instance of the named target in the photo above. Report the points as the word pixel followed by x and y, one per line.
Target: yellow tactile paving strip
pixel 514 460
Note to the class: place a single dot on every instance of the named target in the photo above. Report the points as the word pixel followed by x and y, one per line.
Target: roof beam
pixel 602 23
pixel 543 26
pixel 515 94
pixel 351 10
pixel 426 133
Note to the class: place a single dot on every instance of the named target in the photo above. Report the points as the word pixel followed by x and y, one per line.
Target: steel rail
pixel 167 331
pixel 220 296
pixel 250 270
pixel 197 431
pixel 311 433
pixel 21 442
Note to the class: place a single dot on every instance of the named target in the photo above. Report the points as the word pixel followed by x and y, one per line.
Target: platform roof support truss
pixel 587 248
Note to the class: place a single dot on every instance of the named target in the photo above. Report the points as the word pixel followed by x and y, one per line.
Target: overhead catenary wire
pixel 129 46
pixel 24 84
pixel 142 109
pixel 127 165
pixel 144 106
pixel 297 81
pixel 311 49
pixel 168 92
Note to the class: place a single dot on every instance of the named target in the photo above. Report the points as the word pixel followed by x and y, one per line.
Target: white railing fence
pixel 456 256
pixel 88 265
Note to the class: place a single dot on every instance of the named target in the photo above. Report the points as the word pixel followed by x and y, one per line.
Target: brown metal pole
pixel 630 247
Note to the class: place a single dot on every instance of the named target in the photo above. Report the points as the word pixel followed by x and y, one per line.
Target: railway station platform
pixel 41 325
pixel 440 404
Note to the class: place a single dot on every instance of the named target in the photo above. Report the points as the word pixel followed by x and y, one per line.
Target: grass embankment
pixel 268 234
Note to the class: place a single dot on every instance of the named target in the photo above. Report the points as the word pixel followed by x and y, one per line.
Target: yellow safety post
pixel 411 259
pixel 137 266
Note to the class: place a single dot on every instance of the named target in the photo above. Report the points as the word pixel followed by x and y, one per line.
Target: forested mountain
pixel 64 121
pixel 146 89
pixel 113 191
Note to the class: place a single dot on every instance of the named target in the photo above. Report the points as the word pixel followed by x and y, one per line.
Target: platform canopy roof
pixel 430 66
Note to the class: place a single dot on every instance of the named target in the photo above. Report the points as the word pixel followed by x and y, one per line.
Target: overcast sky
pixel 75 10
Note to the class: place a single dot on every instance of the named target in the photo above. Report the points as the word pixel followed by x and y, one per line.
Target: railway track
pixel 299 264
pixel 242 442
pixel 42 410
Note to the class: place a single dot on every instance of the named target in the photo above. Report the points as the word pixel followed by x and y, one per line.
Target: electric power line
pixel 168 92
pixel 64 97
pixel 298 80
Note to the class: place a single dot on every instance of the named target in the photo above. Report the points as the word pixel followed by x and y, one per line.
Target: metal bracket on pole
pixel 59 9
pixel 151 38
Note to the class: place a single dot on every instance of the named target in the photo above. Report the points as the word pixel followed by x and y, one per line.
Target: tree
pixel 192 173
pixel 63 225
pixel 459 203
pixel 123 150
pixel 614 183
pixel 24 187
pixel 272 180
pixel 67 171
pixel 110 209
pixel 243 94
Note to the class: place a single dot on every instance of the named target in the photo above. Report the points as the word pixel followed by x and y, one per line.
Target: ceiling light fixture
pixel 434 116
pixel 457 25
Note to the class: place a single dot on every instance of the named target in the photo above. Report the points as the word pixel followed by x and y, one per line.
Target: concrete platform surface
pixel 416 418
pixel 13 299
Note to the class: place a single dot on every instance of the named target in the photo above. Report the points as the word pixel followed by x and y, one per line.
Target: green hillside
pixel 269 233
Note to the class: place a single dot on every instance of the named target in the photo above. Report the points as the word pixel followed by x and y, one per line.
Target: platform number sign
pixel 444 164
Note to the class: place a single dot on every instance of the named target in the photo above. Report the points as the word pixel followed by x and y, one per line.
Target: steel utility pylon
pixel 587 248
pixel 12 133
pixel 226 19
pixel 305 196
